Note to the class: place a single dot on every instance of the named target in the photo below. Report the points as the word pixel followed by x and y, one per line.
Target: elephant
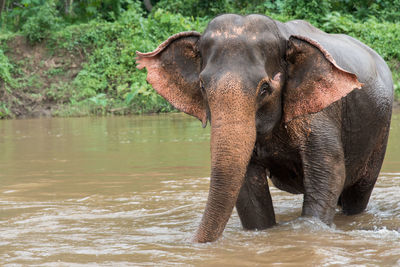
pixel 309 110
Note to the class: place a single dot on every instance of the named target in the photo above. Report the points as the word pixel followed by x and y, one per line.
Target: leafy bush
pixel 5 69
pixel 39 26
pixel 4 111
pixel 6 83
pixel 368 31
pixel 195 8
pixel 311 10
pixel 110 78
pixel 387 10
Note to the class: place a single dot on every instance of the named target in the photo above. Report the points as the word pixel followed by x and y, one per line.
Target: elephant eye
pixel 265 89
pixel 202 86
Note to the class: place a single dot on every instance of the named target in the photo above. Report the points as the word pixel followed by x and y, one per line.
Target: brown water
pixel 128 191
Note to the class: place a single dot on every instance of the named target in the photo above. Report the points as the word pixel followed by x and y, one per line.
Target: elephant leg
pixel 324 173
pixel 254 204
pixel 354 199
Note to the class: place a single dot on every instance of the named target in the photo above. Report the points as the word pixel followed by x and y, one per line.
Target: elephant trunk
pixel 232 143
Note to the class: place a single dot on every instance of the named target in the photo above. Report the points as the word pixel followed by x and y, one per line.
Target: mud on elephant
pixel 311 109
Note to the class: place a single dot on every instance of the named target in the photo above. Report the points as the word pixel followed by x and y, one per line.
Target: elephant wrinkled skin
pixel 308 109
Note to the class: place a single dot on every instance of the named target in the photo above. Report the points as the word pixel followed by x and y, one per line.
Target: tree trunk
pixel 68 7
pixel 2 6
pixel 147 4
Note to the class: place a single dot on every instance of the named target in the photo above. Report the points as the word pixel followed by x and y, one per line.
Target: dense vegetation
pixel 98 39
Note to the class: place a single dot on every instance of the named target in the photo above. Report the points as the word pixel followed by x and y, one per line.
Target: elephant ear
pixel 314 79
pixel 173 70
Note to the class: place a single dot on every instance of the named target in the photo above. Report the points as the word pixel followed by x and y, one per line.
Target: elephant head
pixel 245 78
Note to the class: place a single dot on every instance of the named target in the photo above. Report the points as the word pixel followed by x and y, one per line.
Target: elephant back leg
pixel 354 199
pixel 254 204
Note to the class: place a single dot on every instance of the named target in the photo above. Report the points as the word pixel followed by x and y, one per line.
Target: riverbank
pixel 45 83
pixel 66 68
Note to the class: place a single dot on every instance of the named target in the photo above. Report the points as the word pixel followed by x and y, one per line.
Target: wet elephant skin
pixel 308 109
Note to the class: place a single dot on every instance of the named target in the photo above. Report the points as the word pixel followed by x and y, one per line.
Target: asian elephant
pixel 308 109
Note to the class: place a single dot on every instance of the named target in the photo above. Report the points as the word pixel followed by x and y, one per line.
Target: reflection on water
pixel 131 191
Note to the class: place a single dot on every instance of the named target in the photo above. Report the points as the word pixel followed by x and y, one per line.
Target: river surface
pixel 130 191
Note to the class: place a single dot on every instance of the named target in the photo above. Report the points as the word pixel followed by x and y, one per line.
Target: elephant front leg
pixel 254 204
pixel 324 175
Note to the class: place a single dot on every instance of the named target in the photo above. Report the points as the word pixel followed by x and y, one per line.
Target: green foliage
pixel 17 13
pixel 34 18
pixel 311 10
pixel 210 9
pixel 4 111
pixel 58 92
pixel 5 69
pixel 395 67
pixel 6 83
pixel 39 26
pixel 91 9
pixel 106 34
pixel 368 31
pixel 383 10
pixel 195 7
pixel 110 78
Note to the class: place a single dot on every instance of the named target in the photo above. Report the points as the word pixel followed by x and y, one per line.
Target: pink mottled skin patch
pixel 315 80
pixel 182 92
pixel 234 32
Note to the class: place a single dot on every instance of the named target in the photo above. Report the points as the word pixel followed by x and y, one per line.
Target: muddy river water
pixel 130 191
